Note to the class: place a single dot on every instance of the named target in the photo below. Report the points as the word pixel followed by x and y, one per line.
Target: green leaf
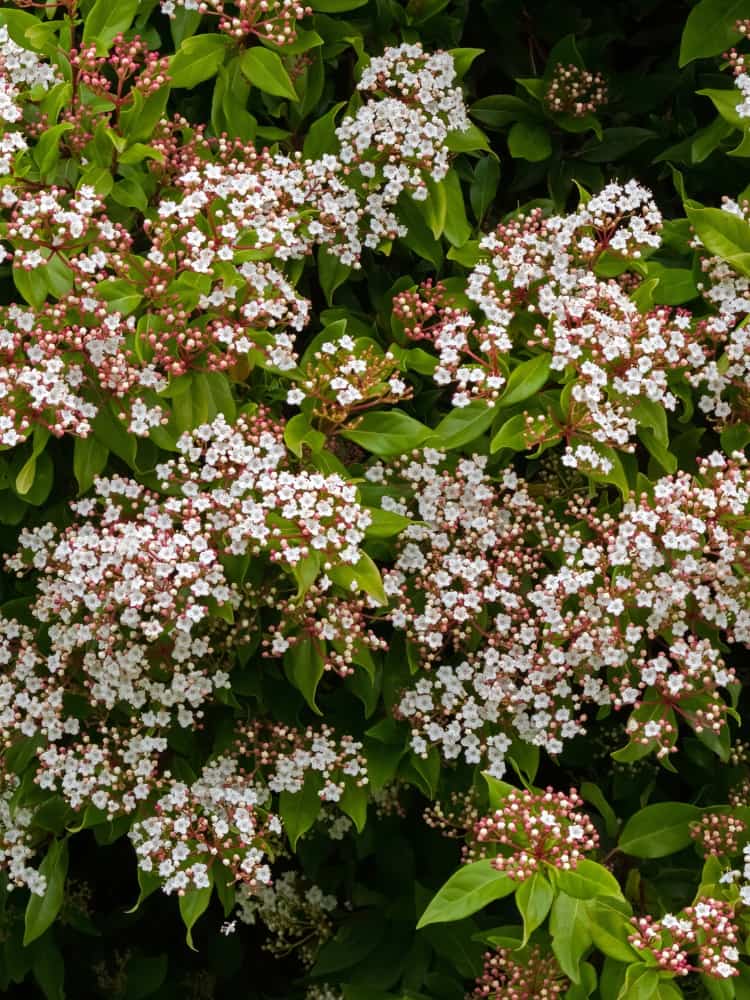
pixel 641 983
pixel 587 985
pixel 299 810
pixel 588 881
pixel 49 968
pixel 615 474
pixel 42 910
pixel 616 143
pixel 593 794
pixel 609 928
pixel 710 28
pixel 470 889
pixel 336 6
pixel 353 802
pixel 89 460
pixel 676 284
pixel 529 142
pixel 321 137
pixel 718 989
pixel 265 70
pixel 106 20
pixel 193 905
pixel 457 228
pixel 497 790
pixel 386 523
pixel 462 60
pixel 47 150
pixel 197 59
pixel 570 937
pixel 304 665
pixel 148 883
pixel 331 273
pixel 28 284
pixel 364 576
pixel 129 193
pixel 388 433
pixel 110 431
pixel 464 424
pixel 723 234
pixel 298 434
pixel 658 830
pixel 469 140
pixel 27 475
pixel 434 208
pixel 121 295
pixel 145 976
pixel 484 186
pixel 499 110
pixel 526 379
pixel 725 102
pixel 534 899
pixel 522 431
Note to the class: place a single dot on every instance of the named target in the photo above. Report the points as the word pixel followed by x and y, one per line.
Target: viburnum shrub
pixel 374 500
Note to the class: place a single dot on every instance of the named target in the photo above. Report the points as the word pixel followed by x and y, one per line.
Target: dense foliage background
pixel 375 581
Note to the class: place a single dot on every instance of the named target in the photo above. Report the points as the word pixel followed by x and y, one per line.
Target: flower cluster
pixel 254 500
pixel 475 565
pixel 17 849
pixel 108 89
pixel 701 938
pixel 724 379
pixel 296 915
pixel 719 835
pixel 531 974
pixel 31 699
pixel 737 64
pixel 123 591
pixel 285 756
pixel 339 627
pixel 217 818
pixel 113 769
pixel 44 225
pixel 418 107
pixel 455 817
pixel 21 72
pixel 270 20
pixel 533 829
pixel 344 378
pixel 575 91
pixel 209 292
pixel 468 356
pixel 536 281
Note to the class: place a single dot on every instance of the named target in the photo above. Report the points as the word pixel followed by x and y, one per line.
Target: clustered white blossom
pixel 217 818
pixel 323 992
pixel 701 938
pixel 345 377
pixel 536 283
pixel 20 70
pixel 17 849
pixel 477 565
pixel 418 107
pixel 274 20
pixel 128 588
pixel 288 755
pixel 295 914
pixel 223 201
pixel 724 379
pixel 742 83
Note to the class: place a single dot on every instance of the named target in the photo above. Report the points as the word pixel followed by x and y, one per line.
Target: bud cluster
pixel 530 974
pixel 701 938
pixel 536 829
